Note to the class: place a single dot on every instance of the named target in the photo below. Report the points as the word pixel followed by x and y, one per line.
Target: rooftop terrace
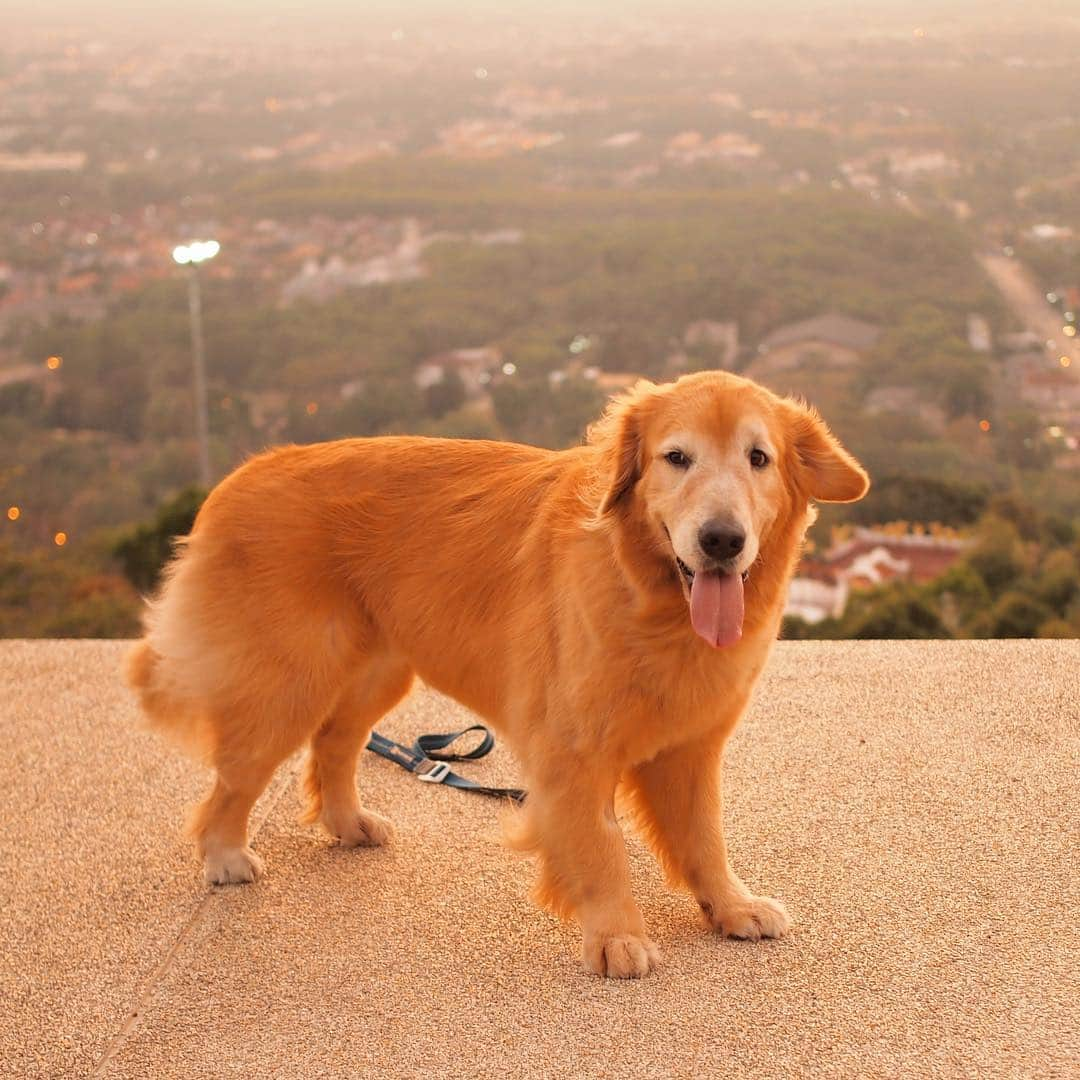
pixel 914 804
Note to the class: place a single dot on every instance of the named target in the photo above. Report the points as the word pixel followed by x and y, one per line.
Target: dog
pixel 607 608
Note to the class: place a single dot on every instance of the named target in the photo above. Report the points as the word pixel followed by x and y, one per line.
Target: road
pixel 1030 306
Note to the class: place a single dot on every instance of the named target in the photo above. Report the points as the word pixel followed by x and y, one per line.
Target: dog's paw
pixel 620 956
pixel 363 829
pixel 232 866
pixel 748 917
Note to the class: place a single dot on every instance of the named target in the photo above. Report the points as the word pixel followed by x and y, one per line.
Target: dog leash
pixel 427 762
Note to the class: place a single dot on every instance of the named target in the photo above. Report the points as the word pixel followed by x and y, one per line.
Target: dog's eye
pixel 678 459
pixel 758 458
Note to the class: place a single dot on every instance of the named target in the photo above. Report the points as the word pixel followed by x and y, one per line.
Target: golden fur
pixel 540 589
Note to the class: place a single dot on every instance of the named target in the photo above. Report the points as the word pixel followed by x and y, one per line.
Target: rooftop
pixel 833 329
pixel 914 804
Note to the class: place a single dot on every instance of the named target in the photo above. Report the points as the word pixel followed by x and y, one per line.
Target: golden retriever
pixel 607 608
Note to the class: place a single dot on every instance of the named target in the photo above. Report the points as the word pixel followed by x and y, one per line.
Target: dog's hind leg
pixel 330 774
pixel 219 824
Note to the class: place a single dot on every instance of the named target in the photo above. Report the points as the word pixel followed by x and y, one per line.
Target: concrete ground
pixel 914 804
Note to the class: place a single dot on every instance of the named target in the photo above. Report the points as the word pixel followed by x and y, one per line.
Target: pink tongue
pixel 716 607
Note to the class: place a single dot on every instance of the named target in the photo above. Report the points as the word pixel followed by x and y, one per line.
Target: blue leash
pixel 427 762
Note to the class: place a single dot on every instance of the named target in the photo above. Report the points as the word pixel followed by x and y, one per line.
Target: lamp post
pixel 190 255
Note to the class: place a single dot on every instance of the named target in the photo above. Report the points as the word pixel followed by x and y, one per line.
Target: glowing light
pixel 272 105
pixel 984 425
pixel 311 408
pixel 13 513
pixel 60 539
pixel 196 252
pixel 1064 361
pixel 1054 432
pixel 1052 297
pixel 54 362
pixel 481 73
pixel 920 32
pixel 397 35
pixel 1069 331
pixel 509 369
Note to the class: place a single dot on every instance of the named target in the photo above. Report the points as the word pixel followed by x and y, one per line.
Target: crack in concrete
pixel 198 916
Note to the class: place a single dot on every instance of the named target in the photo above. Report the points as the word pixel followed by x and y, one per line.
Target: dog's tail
pixel 179 719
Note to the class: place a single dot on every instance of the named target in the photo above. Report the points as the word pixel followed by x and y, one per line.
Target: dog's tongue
pixel 716 607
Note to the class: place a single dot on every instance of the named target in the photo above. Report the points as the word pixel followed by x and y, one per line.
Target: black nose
pixel 720 540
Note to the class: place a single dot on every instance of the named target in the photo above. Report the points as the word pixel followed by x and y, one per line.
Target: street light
pixel 191 255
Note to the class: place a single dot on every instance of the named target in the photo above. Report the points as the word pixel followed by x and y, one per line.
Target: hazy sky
pixel 857 11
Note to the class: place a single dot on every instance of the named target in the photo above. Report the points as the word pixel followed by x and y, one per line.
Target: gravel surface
pixel 914 804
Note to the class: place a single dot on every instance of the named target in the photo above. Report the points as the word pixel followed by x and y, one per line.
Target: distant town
pixel 428 222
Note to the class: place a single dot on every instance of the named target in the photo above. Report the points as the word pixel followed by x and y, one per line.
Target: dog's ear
pixel 825 470
pixel 619 432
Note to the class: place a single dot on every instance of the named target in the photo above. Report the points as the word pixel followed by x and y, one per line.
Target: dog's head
pixel 709 467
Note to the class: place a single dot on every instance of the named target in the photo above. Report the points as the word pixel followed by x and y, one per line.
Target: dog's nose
pixel 720 540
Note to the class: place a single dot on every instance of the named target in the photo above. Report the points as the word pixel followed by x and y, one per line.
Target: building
pixel 492 138
pixel 729 148
pixel 320 283
pixel 475 368
pixel 836 341
pixel 43 161
pixel 1022 341
pixel 1053 392
pixel 905 401
pixel 910 165
pixel 978 333
pixel 1046 231
pixel 871 557
pixel 721 336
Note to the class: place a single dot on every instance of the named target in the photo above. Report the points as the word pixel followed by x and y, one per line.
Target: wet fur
pixel 531 585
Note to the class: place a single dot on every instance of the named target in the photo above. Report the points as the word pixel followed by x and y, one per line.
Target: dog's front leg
pixel 584 870
pixel 678 801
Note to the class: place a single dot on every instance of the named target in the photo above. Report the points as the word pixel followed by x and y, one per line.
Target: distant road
pixel 1029 304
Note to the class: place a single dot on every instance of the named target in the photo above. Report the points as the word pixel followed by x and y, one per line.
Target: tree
pixel 900 611
pixel 23 399
pixel 1058 583
pixel 1021 441
pixel 1019 512
pixel 516 401
pixel 63 594
pixel 997 557
pixel 144 551
pixel 1017 615
pixel 899 497
pixel 381 404
pixel 445 396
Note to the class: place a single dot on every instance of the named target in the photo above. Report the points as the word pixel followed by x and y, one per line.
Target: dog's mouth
pixel 715 598
pixel 688 574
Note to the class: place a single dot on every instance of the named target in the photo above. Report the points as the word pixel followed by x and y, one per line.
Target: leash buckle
pixel 432 772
